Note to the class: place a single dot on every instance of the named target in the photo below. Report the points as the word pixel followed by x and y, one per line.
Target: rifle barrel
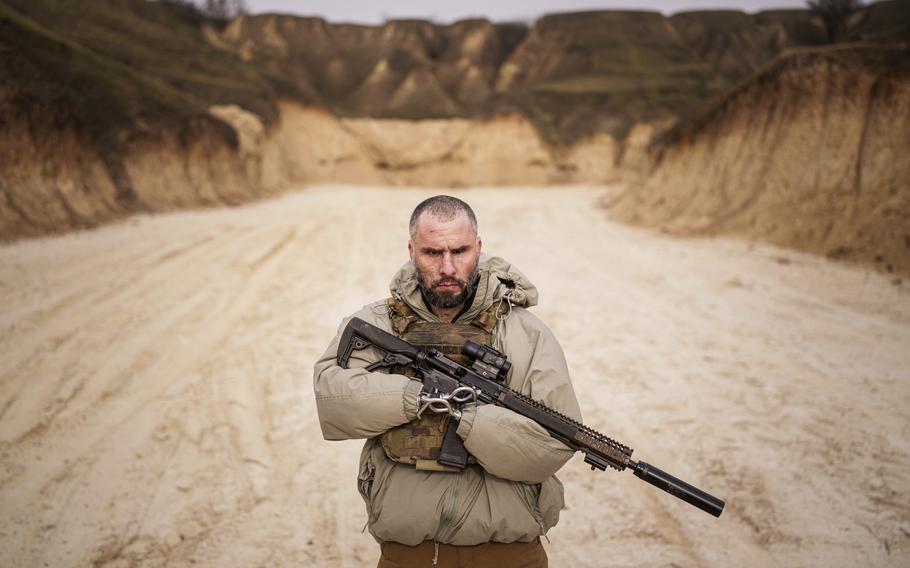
pixel 678 488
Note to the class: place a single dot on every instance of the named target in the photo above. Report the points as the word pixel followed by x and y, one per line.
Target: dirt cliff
pixel 572 75
pixel 104 112
pixel 109 109
pixel 143 107
pixel 402 69
pixel 814 154
pixel 55 179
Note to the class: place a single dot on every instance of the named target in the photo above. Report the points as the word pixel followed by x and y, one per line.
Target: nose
pixel 448 265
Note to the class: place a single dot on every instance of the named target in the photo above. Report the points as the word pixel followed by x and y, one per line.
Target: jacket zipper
pixel 448 511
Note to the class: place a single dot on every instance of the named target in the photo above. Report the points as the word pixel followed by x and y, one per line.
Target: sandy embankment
pixel 54 179
pixel 156 407
pixel 813 154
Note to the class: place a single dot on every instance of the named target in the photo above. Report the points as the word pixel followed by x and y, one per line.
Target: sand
pixel 156 403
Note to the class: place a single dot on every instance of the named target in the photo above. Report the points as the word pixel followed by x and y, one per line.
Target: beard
pixel 445 299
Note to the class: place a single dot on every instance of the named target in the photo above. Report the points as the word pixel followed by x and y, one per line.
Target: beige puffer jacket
pixel 512 494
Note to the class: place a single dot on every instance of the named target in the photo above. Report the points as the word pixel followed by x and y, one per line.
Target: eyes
pixel 437 252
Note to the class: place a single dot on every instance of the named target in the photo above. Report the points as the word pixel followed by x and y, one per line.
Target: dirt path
pixel 156 402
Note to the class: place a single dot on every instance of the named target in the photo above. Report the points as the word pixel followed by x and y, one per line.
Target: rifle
pixel 449 382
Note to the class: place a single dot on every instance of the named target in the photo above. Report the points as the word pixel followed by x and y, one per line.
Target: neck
pixel 447 315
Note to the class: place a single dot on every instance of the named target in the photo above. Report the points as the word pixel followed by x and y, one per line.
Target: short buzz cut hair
pixel 444 208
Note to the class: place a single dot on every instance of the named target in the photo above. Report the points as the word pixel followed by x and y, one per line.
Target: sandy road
pixel 156 405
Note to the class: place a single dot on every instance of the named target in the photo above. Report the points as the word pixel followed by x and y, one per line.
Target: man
pixel 494 511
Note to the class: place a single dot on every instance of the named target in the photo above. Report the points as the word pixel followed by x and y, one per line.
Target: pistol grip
pixel 452 453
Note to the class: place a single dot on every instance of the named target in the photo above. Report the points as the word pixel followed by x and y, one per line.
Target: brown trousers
pixel 487 555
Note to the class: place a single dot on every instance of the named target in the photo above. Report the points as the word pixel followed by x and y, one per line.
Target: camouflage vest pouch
pixel 418 442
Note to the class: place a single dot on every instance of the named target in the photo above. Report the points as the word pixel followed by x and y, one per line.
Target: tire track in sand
pixel 120 405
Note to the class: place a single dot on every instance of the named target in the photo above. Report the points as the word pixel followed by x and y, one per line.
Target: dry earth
pixel 156 403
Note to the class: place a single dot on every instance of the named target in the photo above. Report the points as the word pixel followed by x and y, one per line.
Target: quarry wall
pixel 813 154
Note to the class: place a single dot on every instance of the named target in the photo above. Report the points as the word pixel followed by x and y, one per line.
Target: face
pixel 446 255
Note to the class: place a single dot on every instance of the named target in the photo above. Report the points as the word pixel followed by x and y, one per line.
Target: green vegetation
pixel 834 14
pixel 117 67
pixel 585 104
pixel 113 67
pixel 606 71
pixel 882 22
pixel 880 59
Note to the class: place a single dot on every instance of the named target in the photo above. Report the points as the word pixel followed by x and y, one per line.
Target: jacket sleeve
pixel 354 403
pixel 507 444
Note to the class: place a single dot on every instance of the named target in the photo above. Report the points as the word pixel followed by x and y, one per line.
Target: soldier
pixel 493 512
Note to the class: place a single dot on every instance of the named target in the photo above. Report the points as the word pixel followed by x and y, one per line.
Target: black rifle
pixel 484 380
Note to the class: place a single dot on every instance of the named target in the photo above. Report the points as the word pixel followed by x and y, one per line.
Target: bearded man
pixel 493 512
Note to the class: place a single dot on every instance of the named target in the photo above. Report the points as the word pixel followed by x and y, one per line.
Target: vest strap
pixel 403 316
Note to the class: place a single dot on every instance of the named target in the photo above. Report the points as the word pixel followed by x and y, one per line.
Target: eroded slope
pixel 813 154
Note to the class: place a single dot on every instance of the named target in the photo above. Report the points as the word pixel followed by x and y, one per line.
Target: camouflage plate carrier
pixel 418 442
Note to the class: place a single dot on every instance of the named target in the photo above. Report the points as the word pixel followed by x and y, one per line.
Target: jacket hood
pixel 498 279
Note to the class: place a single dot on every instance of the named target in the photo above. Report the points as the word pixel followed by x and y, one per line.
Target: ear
pixel 410 249
pixel 479 245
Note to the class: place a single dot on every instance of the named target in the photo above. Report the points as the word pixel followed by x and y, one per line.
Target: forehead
pixel 435 232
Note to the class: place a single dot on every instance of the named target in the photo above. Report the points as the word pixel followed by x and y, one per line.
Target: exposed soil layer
pixel 53 179
pixel 813 154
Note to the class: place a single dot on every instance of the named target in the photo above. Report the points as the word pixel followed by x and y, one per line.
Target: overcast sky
pixel 367 12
